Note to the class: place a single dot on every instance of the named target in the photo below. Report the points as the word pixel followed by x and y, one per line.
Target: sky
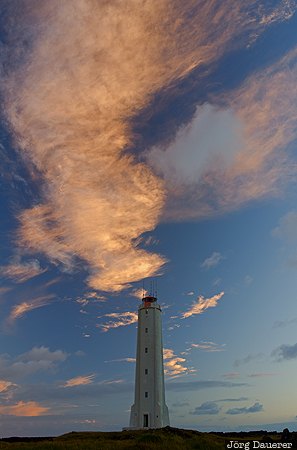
pixel 148 141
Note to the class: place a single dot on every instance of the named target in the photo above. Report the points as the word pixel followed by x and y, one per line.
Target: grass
pixel 165 439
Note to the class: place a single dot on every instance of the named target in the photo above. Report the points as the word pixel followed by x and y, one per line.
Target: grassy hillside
pixel 165 439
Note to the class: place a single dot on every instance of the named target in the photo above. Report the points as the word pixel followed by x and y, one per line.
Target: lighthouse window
pixel 146 394
pixel 146 311
pixel 145 349
pixel 146 330
pixel 145 371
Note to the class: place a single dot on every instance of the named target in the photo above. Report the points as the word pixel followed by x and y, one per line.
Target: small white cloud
pixel 139 293
pixel 212 261
pixel 248 280
pixel 287 227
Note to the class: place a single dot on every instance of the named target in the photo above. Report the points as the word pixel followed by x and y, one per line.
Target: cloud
pixel 207 346
pixel 285 352
pixel 202 304
pixel 23 308
pixel 174 365
pixel 43 354
pixel 26 409
pixel 259 120
pixel 248 280
pixel 129 360
pixel 261 375
pixel 284 323
pixel 239 399
pixel 121 320
pixel 231 375
pixel 80 380
pixel 201 384
pixel 21 272
pixel 6 386
pixel 250 357
pixel 287 227
pixel 206 408
pixel 35 360
pixel 72 124
pixel 139 293
pixel 180 404
pixel 212 261
pixel 256 407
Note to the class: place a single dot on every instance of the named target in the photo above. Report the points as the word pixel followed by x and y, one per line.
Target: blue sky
pixel 139 142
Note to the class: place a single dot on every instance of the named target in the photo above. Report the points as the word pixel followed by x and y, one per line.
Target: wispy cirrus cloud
pixel 202 304
pixel 23 308
pixel 21 272
pixel 129 360
pixel 208 346
pixel 118 320
pixel 79 381
pixel 72 124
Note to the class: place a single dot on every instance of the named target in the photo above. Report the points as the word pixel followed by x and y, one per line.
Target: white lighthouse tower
pixel 149 409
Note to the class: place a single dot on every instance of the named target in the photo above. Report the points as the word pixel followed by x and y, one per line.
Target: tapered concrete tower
pixel 149 409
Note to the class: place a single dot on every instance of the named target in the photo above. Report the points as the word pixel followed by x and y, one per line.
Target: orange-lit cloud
pixel 139 293
pixel 21 272
pixel 174 365
pixel 119 320
pixel 6 385
pixel 92 67
pixel 24 409
pixel 80 380
pixel 202 304
pixel 23 308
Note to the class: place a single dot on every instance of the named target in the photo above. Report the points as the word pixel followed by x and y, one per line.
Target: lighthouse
pixel 149 409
